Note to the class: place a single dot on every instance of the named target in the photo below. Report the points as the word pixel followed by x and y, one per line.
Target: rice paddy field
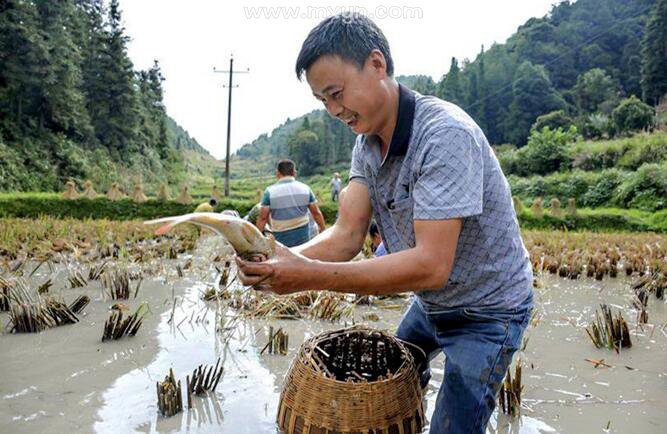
pixel 95 316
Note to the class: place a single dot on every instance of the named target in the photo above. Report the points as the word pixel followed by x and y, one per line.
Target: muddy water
pixel 66 380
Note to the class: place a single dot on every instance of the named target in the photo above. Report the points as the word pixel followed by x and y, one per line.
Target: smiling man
pixel 424 170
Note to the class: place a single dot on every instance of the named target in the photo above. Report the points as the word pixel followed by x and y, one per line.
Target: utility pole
pixel 229 114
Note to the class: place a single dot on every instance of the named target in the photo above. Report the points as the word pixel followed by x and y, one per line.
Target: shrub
pixel 554 120
pixel 633 115
pixel 627 153
pixel 644 189
pixel 547 151
pixel 594 125
pixel 600 193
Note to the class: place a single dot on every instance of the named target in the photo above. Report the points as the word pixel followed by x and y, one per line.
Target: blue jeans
pixel 478 344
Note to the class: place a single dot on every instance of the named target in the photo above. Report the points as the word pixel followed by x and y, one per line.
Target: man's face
pixel 352 95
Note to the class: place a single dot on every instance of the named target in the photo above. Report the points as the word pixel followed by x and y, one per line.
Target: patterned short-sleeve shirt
pixel 288 201
pixel 440 166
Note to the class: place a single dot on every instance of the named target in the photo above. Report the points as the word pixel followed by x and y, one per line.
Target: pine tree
pixel 117 127
pixel 23 52
pixel 449 88
pixel 63 103
pixel 93 39
pixel 654 55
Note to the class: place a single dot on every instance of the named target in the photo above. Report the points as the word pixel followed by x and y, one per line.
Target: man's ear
pixel 377 63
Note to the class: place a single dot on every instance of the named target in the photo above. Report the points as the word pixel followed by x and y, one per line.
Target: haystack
pixel 139 196
pixel 163 195
pixel 537 207
pixel 89 192
pixel 115 193
pixel 184 198
pixel 70 191
pixel 571 207
pixel 555 210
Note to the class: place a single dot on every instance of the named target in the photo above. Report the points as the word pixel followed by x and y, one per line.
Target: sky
pixel 192 37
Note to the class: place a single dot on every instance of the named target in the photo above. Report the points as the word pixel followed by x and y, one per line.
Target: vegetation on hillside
pixel 73 107
pixel 584 64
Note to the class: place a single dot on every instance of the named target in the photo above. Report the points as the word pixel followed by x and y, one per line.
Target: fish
pixel 247 241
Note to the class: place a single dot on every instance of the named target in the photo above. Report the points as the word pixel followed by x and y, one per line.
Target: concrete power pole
pixel 229 114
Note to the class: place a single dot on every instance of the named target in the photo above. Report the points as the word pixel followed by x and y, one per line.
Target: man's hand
pixel 284 273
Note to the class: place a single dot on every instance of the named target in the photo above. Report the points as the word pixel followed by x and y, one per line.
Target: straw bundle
pixel 204 379
pixel 70 191
pixel 184 198
pixel 608 331
pixel 351 380
pixel 509 398
pixel 88 190
pixel 169 399
pixel 537 207
pixel 139 196
pixel 555 210
pixel 116 327
pixel 163 195
pixel 115 193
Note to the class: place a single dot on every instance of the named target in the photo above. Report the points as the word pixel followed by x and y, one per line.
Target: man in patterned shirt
pixel 423 169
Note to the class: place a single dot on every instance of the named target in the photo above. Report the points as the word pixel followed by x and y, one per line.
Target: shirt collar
pixel 286 179
pixel 400 139
pixel 406 115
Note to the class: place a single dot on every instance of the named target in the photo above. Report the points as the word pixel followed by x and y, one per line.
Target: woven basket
pixel 354 380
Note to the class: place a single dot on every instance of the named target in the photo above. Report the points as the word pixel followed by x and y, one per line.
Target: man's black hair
pixel 349 35
pixel 286 167
pixel 213 202
pixel 373 229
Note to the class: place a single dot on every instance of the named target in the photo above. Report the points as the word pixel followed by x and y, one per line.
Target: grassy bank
pixel 35 205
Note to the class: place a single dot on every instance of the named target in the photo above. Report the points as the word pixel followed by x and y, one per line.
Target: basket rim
pixel 311 344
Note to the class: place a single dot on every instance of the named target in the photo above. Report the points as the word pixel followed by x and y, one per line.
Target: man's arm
pixel 425 266
pixel 263 218
pixel 344 239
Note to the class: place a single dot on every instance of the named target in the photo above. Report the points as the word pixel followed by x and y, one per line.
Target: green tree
pixel 596 91
pixel 304 150
pixel 633 115
pixel 654 55
pixel 117 125
pixel 93 42
pixel 153 126
pixel 63 102
pixel 533 95
pixel 449 87
pixel 22 53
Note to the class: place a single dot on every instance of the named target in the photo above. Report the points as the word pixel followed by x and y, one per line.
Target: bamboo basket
pixel 351 381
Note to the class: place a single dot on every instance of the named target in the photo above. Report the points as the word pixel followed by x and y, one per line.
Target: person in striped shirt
pixel 287 203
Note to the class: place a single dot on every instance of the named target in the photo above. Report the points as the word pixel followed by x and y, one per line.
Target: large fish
pixel 245 238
